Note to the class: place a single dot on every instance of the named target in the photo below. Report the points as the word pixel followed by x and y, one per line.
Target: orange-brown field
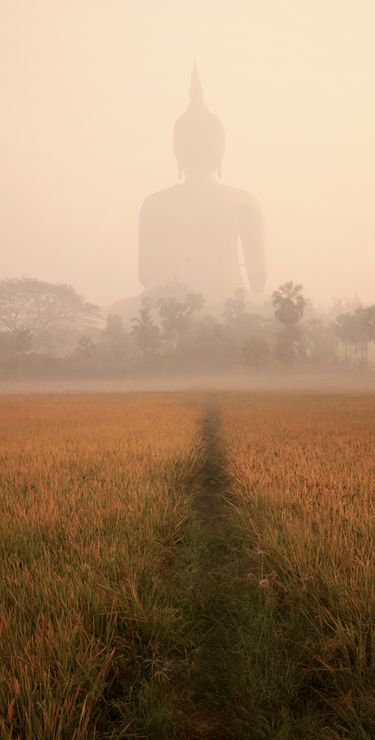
pixel 187 565
pixel 302 481
pixel 93 503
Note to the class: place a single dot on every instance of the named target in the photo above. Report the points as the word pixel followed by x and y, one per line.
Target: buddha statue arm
pixel 252 245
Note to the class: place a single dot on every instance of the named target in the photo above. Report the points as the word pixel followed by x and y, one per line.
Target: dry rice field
pixel 193 565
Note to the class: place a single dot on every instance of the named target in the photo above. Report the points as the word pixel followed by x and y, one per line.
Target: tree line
pixel 47 329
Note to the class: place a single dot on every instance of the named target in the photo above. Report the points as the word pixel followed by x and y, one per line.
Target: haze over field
pixel 90 94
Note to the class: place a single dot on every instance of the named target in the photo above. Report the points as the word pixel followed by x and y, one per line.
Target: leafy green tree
pixel 86 348
pixel 256 352
pixel 145 332
pixel 235 307
pixel 53 314
pixel 177 317
pixel 320 341
pixel 194 303
pixel 356 331
pixel 242 323
pixel 347 330
pixel 366 317
pixel 36 305
pixel 212 346
pixel 113 346
pixel 21 342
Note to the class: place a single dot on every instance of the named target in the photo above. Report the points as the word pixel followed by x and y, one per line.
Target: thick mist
pixel 90 95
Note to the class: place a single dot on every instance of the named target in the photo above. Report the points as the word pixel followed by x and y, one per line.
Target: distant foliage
pixel 289 305
pixel 47 330
pixel 35 305
pixel 357 331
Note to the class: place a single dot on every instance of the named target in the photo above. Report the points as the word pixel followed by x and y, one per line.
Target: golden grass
pixel 117 590
pixel 302 474
pixel 92 504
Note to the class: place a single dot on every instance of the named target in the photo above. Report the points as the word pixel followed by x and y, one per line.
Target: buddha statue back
pixel 188 233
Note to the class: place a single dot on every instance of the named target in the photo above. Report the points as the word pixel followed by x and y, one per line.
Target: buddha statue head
pixel 198 136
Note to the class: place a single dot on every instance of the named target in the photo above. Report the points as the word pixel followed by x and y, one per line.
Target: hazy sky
pixel 90 92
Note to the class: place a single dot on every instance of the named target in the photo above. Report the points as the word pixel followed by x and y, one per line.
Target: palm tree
pixel 289 305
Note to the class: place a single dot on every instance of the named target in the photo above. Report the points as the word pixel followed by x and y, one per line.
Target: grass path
pixel 219 579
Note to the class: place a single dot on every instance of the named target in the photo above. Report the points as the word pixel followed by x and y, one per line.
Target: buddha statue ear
pixel 180 170
pixel 219 170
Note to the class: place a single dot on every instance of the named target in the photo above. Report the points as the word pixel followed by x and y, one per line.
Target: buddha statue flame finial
pixel 195 89
pixel 198 135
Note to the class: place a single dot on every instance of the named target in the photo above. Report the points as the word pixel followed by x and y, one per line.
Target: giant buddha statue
pixel 189 233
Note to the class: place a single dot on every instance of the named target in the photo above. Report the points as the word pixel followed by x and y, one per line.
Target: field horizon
pixel 363 380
